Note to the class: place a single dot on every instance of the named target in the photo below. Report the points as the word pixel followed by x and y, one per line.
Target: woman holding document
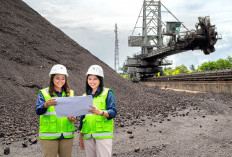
pixel 96 129
pixel 55 134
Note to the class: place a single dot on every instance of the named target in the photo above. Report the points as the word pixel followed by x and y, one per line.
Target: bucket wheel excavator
pixel 150 60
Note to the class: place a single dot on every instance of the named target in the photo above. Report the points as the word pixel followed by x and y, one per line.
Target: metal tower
pixel 151 27
pixel 116 51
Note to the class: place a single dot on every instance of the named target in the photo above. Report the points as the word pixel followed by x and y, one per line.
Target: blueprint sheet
pixel 73 106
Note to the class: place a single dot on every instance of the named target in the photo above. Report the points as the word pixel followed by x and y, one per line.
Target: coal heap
pixel 30 46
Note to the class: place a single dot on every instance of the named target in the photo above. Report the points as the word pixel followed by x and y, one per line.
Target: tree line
pixel 182 69
pixel 206 66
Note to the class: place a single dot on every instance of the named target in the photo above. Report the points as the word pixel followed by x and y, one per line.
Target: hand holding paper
pixel 73 106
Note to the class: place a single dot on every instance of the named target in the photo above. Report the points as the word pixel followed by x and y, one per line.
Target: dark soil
pixel 149 121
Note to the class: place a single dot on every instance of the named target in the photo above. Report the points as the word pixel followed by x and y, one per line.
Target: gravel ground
pixel 149 122
pixel 198 133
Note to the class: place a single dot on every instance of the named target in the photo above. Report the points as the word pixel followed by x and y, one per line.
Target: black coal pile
pixel 30 46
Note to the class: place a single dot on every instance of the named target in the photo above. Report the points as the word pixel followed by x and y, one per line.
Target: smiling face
pixel 59 81
pixel 93 82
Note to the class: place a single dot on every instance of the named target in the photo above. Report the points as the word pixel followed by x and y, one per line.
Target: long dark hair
pixel 65 86
pixel 101 85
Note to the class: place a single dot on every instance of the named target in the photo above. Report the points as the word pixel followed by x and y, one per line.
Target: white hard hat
pixel 58 69
pixel 95 70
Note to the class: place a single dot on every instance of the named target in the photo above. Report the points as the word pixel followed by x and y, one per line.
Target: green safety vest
pixel 51 127
pixel 97 125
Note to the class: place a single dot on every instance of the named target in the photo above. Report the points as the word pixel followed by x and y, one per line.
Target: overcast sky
pixel 91 24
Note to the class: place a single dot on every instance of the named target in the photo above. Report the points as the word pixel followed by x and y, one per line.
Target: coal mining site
pixel 150 121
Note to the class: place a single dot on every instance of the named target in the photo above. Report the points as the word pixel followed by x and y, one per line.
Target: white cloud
pixel 98 15
pixel 91 24
pixel 221 46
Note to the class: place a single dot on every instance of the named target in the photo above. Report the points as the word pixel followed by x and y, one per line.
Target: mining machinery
pixel 149 61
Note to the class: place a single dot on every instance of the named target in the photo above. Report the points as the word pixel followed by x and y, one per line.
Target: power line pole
pixel 116 51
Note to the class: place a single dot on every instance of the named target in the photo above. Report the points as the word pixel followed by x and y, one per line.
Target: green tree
pixel 223 64
pixel 230 60
pixel 192 68
pixel 168 71
pixel 216 65
pixel 208 66
pixel 124 68
pixel 176 72
pixel 182 69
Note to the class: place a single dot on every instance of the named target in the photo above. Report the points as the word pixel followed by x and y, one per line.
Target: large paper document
pixel 73 106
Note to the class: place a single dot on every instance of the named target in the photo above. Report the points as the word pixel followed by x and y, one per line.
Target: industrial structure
pixel 153 50
pixel 116 50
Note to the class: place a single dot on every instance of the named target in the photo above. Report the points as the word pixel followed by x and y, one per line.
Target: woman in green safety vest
pixel 96 129
pixel 55 134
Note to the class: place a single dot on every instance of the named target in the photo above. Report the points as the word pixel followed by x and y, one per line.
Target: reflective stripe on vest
pixel 87 135
pixel 98 134
pixel 68 133
pixel 55 134
pixel 89 114
pixel 49 113
pixel 49 134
